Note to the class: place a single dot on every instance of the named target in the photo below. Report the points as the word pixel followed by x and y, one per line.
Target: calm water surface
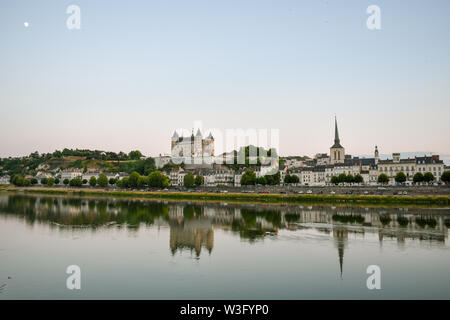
pixel 132 249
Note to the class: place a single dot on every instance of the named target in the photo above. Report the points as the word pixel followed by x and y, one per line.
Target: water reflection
pixel 192 225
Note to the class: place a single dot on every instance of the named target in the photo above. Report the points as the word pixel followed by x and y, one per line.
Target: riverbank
pixel 247 197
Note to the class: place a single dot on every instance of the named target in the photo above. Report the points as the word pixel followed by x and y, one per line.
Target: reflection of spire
pixel 340 235
pixel 341 258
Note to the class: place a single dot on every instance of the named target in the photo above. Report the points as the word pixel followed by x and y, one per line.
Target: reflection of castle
pixel 191 234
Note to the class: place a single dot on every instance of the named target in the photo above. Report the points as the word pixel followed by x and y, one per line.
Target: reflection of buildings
pixel 192 224
pixel 192 235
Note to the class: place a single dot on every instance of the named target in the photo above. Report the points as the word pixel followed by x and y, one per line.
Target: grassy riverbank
pixel 248 197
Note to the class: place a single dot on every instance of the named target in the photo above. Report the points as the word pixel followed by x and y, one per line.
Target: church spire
pixel 337 141
pixel 336 132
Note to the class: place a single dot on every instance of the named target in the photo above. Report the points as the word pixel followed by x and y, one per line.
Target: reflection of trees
pixel 77 212
pixel 192 211
pixel 251 222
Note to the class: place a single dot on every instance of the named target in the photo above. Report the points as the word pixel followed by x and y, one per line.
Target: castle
pixel 194 150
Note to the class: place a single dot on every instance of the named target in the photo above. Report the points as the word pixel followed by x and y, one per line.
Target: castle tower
pixel 337 152
pixel 208 146
pixel 198 144
pixel 174 139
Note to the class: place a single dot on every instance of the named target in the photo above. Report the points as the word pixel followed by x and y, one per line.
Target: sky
pixel 137 70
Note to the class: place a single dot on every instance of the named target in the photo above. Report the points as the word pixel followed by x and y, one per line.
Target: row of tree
pixel 347 178
pixel 190 180
pixel 249 179
pixel 419 177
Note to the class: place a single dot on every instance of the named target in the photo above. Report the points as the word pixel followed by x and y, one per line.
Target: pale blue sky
pixel 139 69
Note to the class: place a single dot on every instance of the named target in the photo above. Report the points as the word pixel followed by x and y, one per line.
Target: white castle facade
pixel 194 151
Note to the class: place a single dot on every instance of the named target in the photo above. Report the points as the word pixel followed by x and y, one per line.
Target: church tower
pixel 337 152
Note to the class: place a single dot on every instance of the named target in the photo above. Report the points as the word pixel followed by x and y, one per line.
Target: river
pixel 142 249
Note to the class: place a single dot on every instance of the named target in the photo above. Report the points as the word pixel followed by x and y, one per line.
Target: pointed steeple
pixel 198 134
pixel 175 135
pixel 336 132
pixel 337 141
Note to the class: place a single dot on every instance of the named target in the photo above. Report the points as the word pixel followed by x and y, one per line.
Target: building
pixel 193 151
pixel 391 167
pixel 71 173
pixel 337 151
pixel 162 160
pixel 5 179
pixel 91 173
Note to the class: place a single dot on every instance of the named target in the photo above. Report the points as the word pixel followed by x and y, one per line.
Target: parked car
pixel 332 192
pixel 309 192
pixel 300 192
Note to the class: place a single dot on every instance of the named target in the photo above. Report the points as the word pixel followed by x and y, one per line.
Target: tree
pixel 189 180
pixel 335 180
pixel 400 177
pixel 157 180
pixel 199 180
pixel 249 178
pixel 122 183
pixel 342 178
pixel 295 178
pixel 44 181
pixel 428 177
pixel 102 180
pixel 291 178
pixel 382 178
pixel 92 181
pixel 33 181
pixel 50 182
pixel 349 178
pixel 26 182
pixel 66 181
pixel 141 182
pixel 84 181
pixel 133 179
pixel 17 180
pixel 261 181
pixel 273 179
pixel 446 177
pixel 57 181
pixel 418 177
pixel 358 178
pixel 135 155
pixel 75 182
pixel 112 181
